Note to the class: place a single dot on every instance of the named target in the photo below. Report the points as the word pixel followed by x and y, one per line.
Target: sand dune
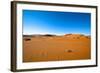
pixel 48 47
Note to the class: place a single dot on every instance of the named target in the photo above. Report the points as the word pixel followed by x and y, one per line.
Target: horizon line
pixel 58 34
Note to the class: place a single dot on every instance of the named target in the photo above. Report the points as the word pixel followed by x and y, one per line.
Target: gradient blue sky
pixel 52 22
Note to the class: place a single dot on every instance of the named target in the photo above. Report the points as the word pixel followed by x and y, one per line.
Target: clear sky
pixel 52 22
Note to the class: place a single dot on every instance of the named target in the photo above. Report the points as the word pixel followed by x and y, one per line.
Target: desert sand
pixel 37 48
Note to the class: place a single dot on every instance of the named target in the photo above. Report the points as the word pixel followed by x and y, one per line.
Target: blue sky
pixel 52 22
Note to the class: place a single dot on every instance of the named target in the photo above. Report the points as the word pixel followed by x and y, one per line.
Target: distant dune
pixel 51 47
pixel 76 36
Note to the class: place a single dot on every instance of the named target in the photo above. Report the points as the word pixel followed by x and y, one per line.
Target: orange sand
pixel 56 48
